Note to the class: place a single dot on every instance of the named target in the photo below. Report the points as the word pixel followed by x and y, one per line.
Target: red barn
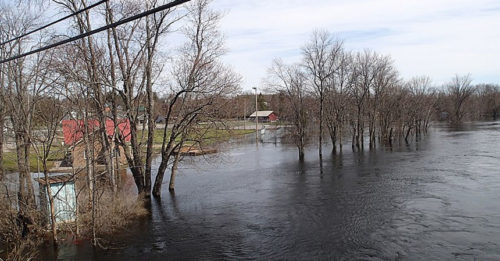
pixel 264 116
pixel 73 129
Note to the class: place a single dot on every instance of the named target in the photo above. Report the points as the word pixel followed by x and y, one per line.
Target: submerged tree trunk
pixel 52 211
pixel 174 171
pixel 301 154
pixel 353 138
pixel 1 139
pixel 26 193
pixel 407 135
pixel 340 137
pixel 333 137
pixel 159 178
pixel 150 47
pixel 320 149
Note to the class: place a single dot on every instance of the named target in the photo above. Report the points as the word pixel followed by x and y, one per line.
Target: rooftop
pixel 55 179
pixel 261 113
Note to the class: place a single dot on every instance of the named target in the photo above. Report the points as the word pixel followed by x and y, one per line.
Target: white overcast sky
pixel 438 38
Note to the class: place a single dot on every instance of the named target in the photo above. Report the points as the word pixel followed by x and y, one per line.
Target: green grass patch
pixel 10 160
pixel 207 136
pixel 213 136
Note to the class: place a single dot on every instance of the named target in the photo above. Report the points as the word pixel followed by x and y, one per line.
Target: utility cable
pixel 55 22
pixel 98 30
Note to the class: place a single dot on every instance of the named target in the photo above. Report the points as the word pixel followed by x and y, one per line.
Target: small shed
pixel 62 188
pixel 264 116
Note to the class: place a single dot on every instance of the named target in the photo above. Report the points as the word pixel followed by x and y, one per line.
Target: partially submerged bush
pixel 112 214
pixel 23 232
pixel 20 234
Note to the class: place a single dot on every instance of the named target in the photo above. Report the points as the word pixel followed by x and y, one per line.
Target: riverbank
pixel 211 137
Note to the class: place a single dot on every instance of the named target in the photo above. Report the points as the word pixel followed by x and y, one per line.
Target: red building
pixel 73 129
pixel 264 116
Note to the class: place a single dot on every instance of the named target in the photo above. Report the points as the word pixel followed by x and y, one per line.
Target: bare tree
pixel 489 101
pixel 391 111
pixel 49 112
pixel 421 104
pixel 3 86
pixel 135 46
pixel 25 79
pixel 21 81
pixel 363 79
pixel 459 90
pixel 92 56
pixel 386 77
pixel 292 82
pixel 120 74
pixel 199 79
pixel 321 57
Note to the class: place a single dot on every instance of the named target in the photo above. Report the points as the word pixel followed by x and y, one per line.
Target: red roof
pixel 73 129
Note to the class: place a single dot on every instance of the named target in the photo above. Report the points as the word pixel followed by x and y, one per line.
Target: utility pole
pixel 256 118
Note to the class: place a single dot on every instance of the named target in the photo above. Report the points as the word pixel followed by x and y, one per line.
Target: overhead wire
pixel 100 29
pixel 55 22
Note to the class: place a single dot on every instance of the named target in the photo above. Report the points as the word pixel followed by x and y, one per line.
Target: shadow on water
pixel 434 198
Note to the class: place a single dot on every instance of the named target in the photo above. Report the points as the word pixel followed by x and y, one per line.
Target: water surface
pixel 436 199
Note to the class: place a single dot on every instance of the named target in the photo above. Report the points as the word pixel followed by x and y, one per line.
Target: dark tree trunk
pixel 1 145
pixel 159 178
pixel 171 185
pixel 321 127
pixel 407 135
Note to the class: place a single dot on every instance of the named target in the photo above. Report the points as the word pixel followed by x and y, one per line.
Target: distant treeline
pixel 340 93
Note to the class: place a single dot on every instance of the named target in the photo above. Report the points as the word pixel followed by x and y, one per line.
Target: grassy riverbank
pixel 208 137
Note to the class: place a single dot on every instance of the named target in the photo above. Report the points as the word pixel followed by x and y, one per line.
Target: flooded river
pixel 436 199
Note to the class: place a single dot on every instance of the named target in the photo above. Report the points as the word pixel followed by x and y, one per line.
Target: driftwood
pixel 190 151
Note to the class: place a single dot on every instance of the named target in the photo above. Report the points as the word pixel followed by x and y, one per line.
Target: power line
pixel 55 22
pixel 98 30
